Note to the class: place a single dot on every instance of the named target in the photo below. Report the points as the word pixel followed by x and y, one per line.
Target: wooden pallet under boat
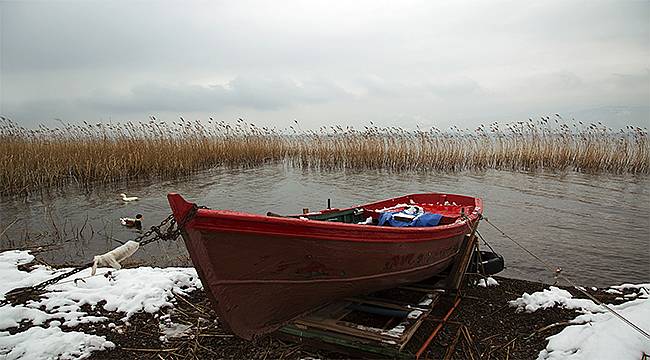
pixel 393 323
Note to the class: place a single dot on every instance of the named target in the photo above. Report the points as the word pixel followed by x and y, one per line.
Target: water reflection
pixel 594 226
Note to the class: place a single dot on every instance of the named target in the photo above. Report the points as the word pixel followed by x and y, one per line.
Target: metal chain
pixel 173 230
pixel 171 233
pixel 142 239
pixel 54 280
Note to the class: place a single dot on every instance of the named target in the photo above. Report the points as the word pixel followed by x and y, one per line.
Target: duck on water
pixel 128 198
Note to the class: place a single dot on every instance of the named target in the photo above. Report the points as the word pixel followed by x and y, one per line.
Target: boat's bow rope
pixel 115 256
pixel 557 271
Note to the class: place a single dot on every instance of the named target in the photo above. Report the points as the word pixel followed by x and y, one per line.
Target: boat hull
pixel 261 273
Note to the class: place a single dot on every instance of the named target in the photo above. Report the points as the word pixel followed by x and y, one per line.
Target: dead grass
pixel 95 154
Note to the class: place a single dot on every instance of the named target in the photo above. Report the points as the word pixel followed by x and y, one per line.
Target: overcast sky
pixel 350 62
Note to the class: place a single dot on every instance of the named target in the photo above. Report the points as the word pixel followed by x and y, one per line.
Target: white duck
pixel 128 198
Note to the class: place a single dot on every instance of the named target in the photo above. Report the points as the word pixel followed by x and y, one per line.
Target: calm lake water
pixel 596 227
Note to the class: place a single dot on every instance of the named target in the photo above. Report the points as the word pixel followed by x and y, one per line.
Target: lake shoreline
pixel 184 324
pixel 496 327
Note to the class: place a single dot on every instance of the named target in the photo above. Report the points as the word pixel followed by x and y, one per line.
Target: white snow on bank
pixel 613 291
pixel 50 343
pixel 490 282
pixel 597 334
pixel 127 291
pixel 553 296
pixel 643 289
pixel 170 329
pixel 12 278
pixel 603 336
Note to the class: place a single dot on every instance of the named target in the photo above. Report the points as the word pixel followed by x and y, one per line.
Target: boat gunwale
pixel 374 237
pixel 335 231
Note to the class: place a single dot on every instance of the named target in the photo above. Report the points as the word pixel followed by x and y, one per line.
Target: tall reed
pixel 91 154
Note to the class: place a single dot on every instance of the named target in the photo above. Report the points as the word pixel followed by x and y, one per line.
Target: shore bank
pixel 163 313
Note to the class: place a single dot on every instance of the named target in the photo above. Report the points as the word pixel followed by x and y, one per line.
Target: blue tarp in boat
pixel 410 217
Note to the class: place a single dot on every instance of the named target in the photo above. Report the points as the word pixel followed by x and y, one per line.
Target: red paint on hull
pixel 261 272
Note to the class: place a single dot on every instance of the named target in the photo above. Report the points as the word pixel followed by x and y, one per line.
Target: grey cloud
pixel 40 111
pixel 322 61
pixel 242 92
pixel 373 85
pixel 277 93
pixel 555 81
pixel 457 88
pixel 632 80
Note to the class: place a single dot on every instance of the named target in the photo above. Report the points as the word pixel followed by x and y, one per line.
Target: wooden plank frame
pixel 327 327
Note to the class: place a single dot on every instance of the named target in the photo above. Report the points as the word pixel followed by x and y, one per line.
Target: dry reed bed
pixel 91 154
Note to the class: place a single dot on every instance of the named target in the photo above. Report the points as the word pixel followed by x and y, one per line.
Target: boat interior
pixel 451 207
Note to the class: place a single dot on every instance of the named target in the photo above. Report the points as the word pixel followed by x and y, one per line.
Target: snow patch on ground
pixel 50 343
pixel 171 330
pixel 603 336
pixel 645 287
pixel 490 282
pixel 597 334
pixel 553 296
pixel 613 291
pixel 13 278
pixel 127 291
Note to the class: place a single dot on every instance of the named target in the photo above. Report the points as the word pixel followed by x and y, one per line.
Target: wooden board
pixel 330 327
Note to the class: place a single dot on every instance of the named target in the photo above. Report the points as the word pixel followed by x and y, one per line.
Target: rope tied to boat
pixel 557 273
pixel 114 257
pixel 117 255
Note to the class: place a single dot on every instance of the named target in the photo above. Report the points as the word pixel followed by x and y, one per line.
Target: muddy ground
pixel 492 330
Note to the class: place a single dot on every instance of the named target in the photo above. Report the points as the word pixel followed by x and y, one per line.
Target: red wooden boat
pixel 262 271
